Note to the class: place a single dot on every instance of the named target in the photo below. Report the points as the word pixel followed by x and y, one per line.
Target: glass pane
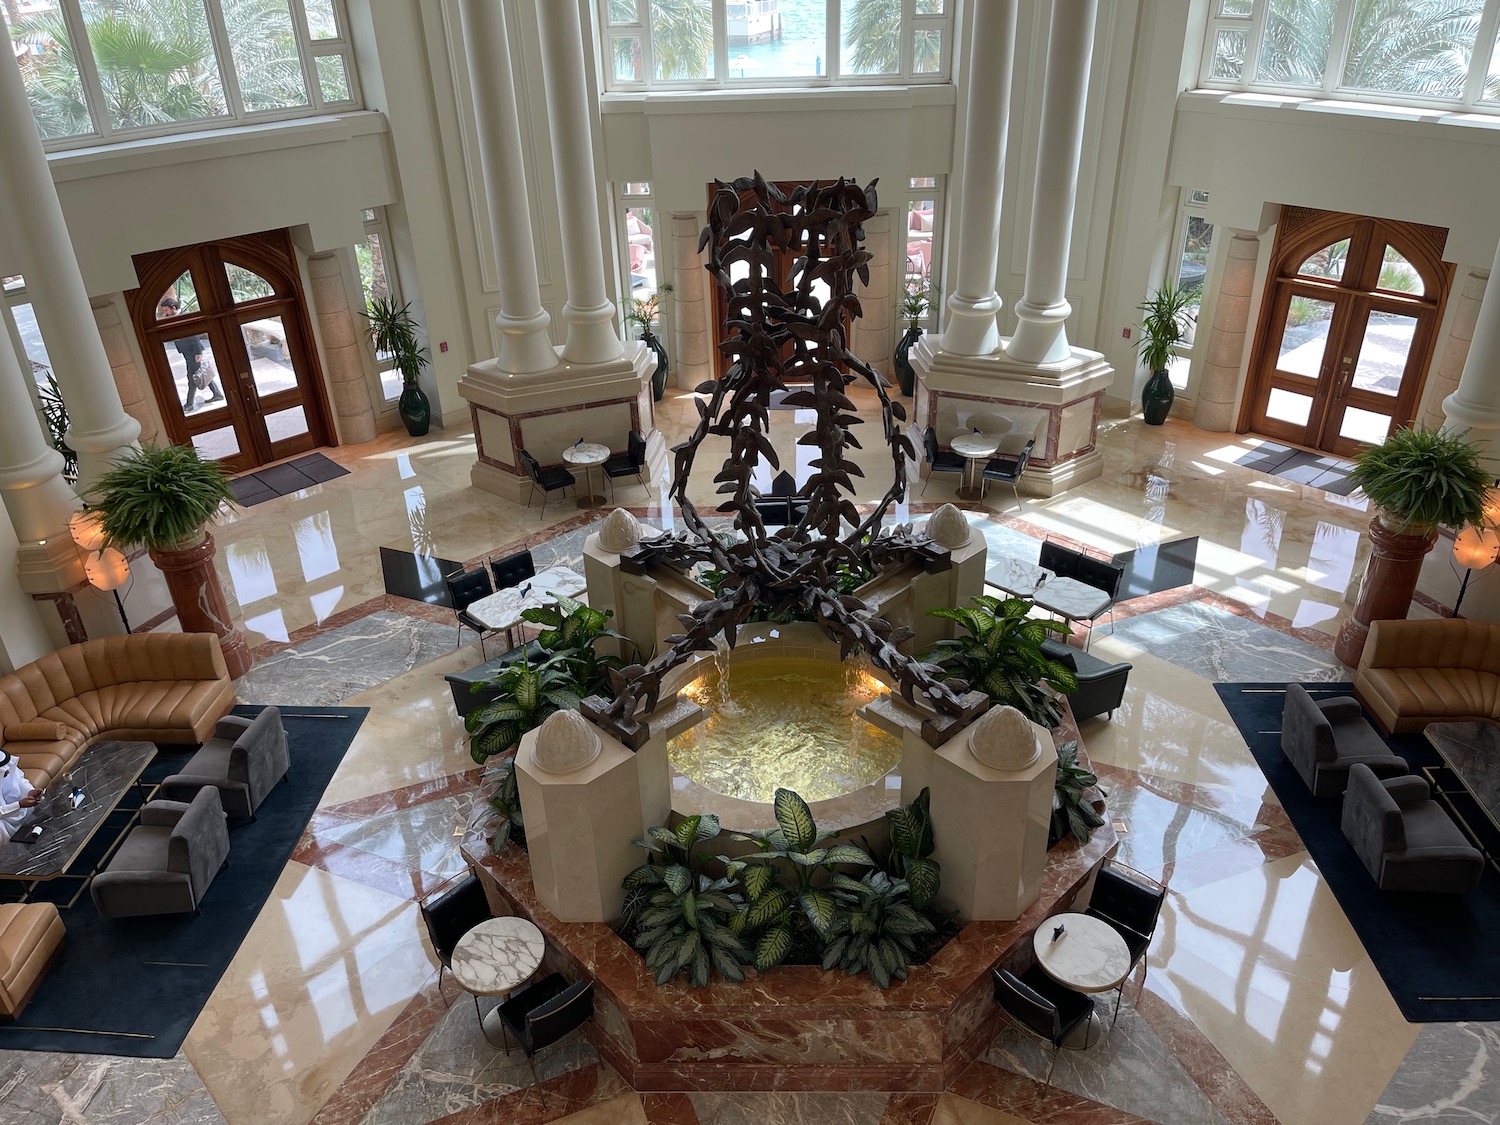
pixel 770 40
pixel 270 364
pixel 390 384
pixel 1365 425
pixel 12 283
pixel 1235 9
pixel 50 73
pixel 247 285
pixel 1294 48
pixel 1229 55
pixel 872 37
pixel 1328 262
pixel 1491 91
pixel 321 21
pixel 637 188
pixel 333 79
pixel 1304 336
pixel 264 48
pixel 1382 355
pixel 196 374
pixel 1285 406
pixel 922 182
pixel 642 250
pixel 217 444
pixel 370 254
pixel 1179 367
pixel 929 7
pixel 622 11
pixel 919 240
pixel 1192 265
pixel 626 52
pixel 682 39
pixel 284 424
pixel 1399 275
pixel 927 52
pixel 1412 48
pixel 156 63
pixel 368 214
pixel 1198 197
pixel 180 298
pixel 31 341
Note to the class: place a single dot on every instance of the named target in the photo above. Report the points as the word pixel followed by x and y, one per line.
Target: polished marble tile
pixel 1451 1076
pixel 1222 646
pixel 789 1108
pixel 42 1088
pixel 953 1110
pixel 421 835
pixel 391 753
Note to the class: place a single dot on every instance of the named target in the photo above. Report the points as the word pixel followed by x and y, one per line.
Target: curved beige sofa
pixel 1417 672
pixel 151 687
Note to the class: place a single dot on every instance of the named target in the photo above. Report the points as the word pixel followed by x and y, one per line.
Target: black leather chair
pixel 543 1013
pixel 1038 1004
pixel 512 570
pixel 784 484
pixel 548 480
pixel 1131 903
pixel 1101 685
pixel 631 463
pixel 450 915
pixel 466 587
pixel 1098 573
pixel 938 460
pixel 1008 469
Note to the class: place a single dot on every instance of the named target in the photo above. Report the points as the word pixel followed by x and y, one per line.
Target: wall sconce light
pixel 1473 549
pixel 106 568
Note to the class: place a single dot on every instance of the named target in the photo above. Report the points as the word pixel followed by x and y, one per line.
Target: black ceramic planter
pixel 1156 398
pixel 906 376
pixel 415 410
pixel 659 376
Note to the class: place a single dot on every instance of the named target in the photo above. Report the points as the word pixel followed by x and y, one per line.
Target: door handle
pixel 1346 377
pixel 251 399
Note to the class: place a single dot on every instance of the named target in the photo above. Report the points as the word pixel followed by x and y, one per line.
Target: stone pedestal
pixel 631 597
pixel 1389 582
pixel 964 579
pixel 201 608
pixel 1213 408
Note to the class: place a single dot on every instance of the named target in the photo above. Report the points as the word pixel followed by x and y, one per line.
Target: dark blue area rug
pixel 1436 953
pixel 135 986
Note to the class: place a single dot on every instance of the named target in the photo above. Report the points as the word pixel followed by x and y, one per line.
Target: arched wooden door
pixel 1346 330
pixel 224 330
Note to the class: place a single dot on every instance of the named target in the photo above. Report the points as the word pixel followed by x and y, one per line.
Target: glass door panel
pixel 270 364
pixel 1383 353
pixel 195 373
pixel 1304 337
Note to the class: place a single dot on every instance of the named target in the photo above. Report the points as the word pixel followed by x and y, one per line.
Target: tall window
pixel 704 44
pixel 639 233
pixel 1193 242
pixel 924 225
pixel 149 67
pixel 21 325
pixel 377 279
pixel 1410 52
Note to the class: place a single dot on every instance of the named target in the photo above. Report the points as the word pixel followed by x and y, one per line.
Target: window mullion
pixel 1255 36
pixel 305 55
pixel 1338 46
pixel 908 52
pixel 648 56
pixel 1484 46
pixel 88 72
pixel 224 60
pixel 832 34
pixel 721 43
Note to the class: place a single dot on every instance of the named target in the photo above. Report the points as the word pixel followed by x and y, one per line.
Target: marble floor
pixel 1259 1006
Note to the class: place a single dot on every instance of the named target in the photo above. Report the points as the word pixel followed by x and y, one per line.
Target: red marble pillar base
pixel 199 599
pixel 1389 582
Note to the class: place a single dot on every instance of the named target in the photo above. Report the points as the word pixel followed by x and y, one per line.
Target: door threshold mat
pixel 281 480
pixel 1300 467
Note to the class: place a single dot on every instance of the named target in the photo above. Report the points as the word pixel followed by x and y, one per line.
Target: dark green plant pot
pixel 415 410
pixel 659 376
pixel 1156 398
pixel 906 376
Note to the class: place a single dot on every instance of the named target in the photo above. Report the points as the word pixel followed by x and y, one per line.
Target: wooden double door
pixel 230 356
pixel 1347 330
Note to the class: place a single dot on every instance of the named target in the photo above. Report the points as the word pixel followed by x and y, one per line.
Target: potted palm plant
pixel 394 331
pixel 1418 480
pixel 916 302
pixel 162 497
pixel 642 315
pixel 1165 322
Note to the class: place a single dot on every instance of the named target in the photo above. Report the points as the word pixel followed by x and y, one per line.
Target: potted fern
pixel 642 315
pixel 1164 324
pixel 394 331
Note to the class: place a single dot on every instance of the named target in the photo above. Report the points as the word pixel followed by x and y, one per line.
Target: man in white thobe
pixel 17 796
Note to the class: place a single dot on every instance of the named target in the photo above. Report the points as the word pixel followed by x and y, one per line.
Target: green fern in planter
pixel 1425 478
pixel 160 496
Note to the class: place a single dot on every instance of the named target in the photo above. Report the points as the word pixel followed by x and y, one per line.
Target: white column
pixel 589 313
pixel 1444 381
pixel 1043 309
pixel 524 344
pixel 1475 405
pixel 99 429
pixel 973 306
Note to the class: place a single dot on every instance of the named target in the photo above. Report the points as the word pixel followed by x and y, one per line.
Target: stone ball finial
pixel 565 743
pixel 1004 739
pixel 948 528
pixel 621 531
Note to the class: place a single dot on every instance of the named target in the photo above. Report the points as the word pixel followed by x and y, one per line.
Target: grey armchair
pixel 1404 838
pixel 1323 738
pixel 168 861
pixel 1101 685
pixel 243 760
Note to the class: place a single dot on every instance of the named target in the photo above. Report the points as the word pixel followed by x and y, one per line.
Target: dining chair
pixel 1009 469
pixel 451 914
pixel 548 480
pixel 1036 1003
pixel 939 460
pixel 631 463
pixel 1131 903
pixel 464 589
pixel 545 1012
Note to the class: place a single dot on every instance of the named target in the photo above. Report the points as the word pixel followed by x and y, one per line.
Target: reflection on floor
pixel 1260 1004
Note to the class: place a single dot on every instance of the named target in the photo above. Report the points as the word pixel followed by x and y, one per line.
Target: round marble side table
pixel 587 454
pixel 491 960
pixel 1088 956
pixel 976 447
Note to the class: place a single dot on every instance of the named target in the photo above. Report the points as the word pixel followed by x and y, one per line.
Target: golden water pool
pixel 788 722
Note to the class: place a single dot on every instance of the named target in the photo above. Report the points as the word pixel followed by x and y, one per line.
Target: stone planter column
pixel 199 599
pixel 133 393
pixel 1389 582
pixel 1475 404
pixel 692 308
pixel 342 354
pixel 1213 408
pixel 1450 368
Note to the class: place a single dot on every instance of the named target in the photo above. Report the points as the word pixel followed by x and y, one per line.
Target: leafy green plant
pixel 875 930
pixel 55 413
pixel 682 919
pixel 569 632
pixel 917 300
pixel 528 694
pixel 505 798
pixel 1164 324
pixel 1424 478
pixel 1002 656
pixel 160 496
pixel 775 911
pixel 644 311
pixel 395 332
pixel 1071 812
pixel 910 858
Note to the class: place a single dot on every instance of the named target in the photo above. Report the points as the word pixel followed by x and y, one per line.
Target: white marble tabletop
pixel 497 955
pixel 975 445
pixel 1071 598
pixel 502 610
pixel 1017 576
pixel 587 453
pixel 1089 956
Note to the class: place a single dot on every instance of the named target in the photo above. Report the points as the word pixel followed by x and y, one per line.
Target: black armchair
pixel 543 1013
pixel 1008 468
pixel 1038 1004
pixel 464 589
pixel 938 460
pixel 1101 685
pixel 631 463
pixel 548 480
pixel 1131 903
pixel 512 570
pixel 450 915
pixel 1404 838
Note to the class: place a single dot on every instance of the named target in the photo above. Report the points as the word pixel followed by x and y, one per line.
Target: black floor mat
pixel 282 480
